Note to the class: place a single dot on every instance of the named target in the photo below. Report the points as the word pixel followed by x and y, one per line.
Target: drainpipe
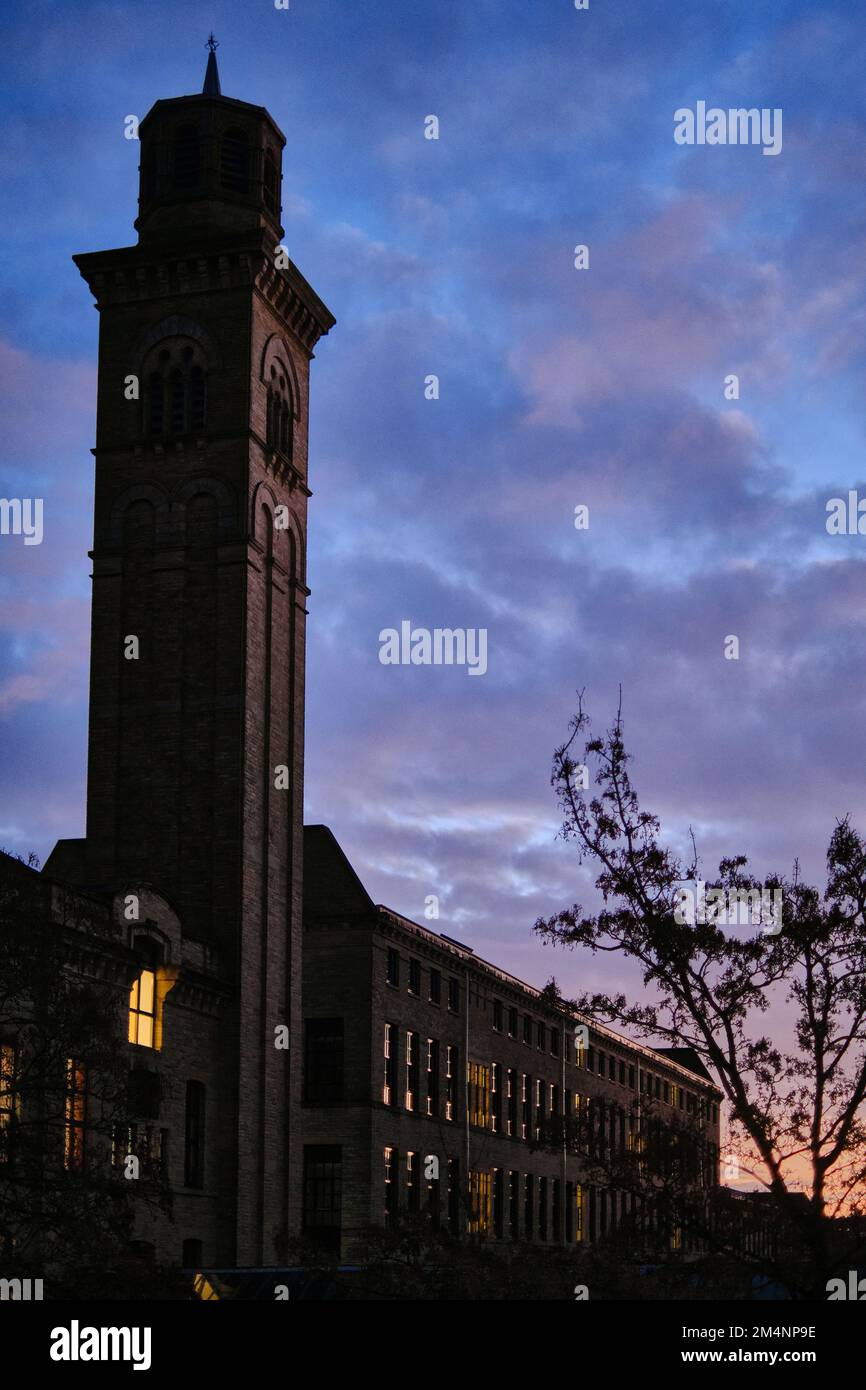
pixel 466 1093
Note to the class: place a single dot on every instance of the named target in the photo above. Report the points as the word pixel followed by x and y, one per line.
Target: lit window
pixel 9 1105
pixel 479 1094
pixel 479 1203
pixel 389 1090
pixel 411 1070
pixel 76 1115
pixel 142 1010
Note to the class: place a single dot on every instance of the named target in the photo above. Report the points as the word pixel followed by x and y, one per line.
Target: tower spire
pixel 211 86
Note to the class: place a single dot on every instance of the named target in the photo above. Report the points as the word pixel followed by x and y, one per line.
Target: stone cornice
pixel 150 272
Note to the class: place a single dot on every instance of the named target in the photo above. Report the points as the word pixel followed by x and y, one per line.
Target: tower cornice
pixel 152 272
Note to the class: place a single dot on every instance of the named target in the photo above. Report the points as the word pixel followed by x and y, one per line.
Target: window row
pixel 414 982
pixel 85 1127
pixel 533 1032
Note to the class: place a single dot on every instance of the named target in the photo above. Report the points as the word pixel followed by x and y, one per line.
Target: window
pixel 147 1143
pixel 413 1181
pixel 323 1060
pixel 542 1208
pixel 411 1071
pixel 579 1051
pixel 658 1090
pixel 554 1042
pixel 479 1203
pixel 611 1068
pixel 454 1196
pixel 622 1073
pixel 9 1100
pixel 514 1205
pixel 74 1139
pixel 525 1105
pixel 450 1082
pixel 454 995
pixel 497 1015
pixel 433 1202
pixel 279 422
pixel 539 1036
pixel 527 1030
pixel 142 1010
pixel 193 1150
pixel 389 1089
pixel 553 1105
pixel 392 1191
pixel 601 1063
pixel 435 987
pixel 176 390
pixel 415 977
pixel 631 1077
pixel 666 1092
pixel 235 161
pixel 432 1076
pixel 512 1023
pixel 590 1059
pixel 323 1193
pixel 479 1094
pixel 498 1203
pixel 539 1108
pixel 496 1098
pixel 578 1212
pixel 511 1098
pixel 392 975
pixel 186 160
pixel 556 1214
pixel 569 1212
pixel 528 1200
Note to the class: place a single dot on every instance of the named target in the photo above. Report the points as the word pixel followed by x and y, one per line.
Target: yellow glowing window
pixel 479 1202
pixel 8 1097
pixel 142 1009
pixel 76 1115
pixel 578 1212
pixel 479 1094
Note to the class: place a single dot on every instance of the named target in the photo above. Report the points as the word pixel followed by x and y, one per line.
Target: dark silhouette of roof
pixel 331 886
pixel 686 1057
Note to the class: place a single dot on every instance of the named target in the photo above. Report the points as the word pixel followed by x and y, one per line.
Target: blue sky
pixel 558 387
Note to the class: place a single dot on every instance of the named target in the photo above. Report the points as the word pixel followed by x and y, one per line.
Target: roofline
pixel 465 952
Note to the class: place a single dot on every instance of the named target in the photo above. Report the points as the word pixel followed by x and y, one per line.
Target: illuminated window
pixel 389 1089
pixel 432 1076
pixel 579 1053
pixel 525 1105
pixel 450 1082
pixel 411 1071
pixel 479 1094
pixel 496 1098
pixel 578 1212
pixel 76 1116
pixel 511 1098
pixel 9 1100
pixel 142 1009
pixel 392 1191
pixel 479 1203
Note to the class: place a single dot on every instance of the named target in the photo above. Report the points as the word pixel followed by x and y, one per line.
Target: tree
pixel 795 1116
pixel 67 1098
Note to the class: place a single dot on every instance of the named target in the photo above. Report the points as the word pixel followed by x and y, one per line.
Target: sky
pixel 602 387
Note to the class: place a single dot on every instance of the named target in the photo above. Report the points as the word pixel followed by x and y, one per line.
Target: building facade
pixel 306 1061
pixel 436 1083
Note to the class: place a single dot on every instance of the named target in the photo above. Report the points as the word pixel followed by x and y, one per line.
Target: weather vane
pixel 212 44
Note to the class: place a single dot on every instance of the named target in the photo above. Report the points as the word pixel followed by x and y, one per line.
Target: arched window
pixel 235 162
pixel 186 162
pixel 270 181
pixel 176 394
pixel 279 414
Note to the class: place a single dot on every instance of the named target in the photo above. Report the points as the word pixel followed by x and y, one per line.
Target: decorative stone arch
pixel 216 487
pixel 140 492
pixel 276 354
pixel 288 541
pixel 178 326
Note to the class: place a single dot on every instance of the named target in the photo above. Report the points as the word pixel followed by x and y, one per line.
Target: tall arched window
pixel 235 162
pixel 279 413
pixel 186 162
pixel 176 393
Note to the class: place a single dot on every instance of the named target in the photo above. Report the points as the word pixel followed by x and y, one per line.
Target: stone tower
pixel 196 739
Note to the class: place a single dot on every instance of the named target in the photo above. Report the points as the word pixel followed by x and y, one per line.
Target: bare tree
pixel 795 1117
